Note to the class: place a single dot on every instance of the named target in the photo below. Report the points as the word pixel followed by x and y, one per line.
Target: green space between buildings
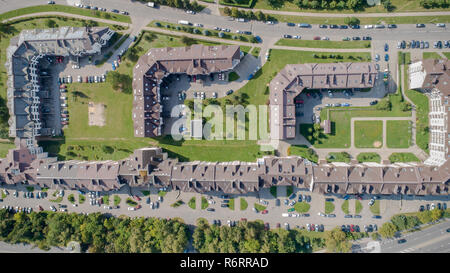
pixel 398 133
pixel 368 134
pixel 369 157
pixel 323 44
pixel 431 55
pixel 403 157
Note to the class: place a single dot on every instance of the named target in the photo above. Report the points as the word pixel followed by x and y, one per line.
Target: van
pixel 184 22
pixel 285 214
pixel 151 4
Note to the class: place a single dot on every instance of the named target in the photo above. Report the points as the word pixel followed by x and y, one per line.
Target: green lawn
pixel 303 151
pixel 231 204
pixel 116 200
pixel 398 133
pixel 375 208
pixel 130 202
pixel 146 193
pixel 403 157
pixel 369 134
pixel 177 204
pixel 3 194
pixel 204 203
pixel 338 157
pixel 446 54
pixel 400 6
pixel 201 31
pixel 162 193
pixel 256 51
pixel 301 207
pixel 5 147
pixel 273 191
pixel 369 157
pixel 322 43
pixel 431 55
pixel 422 108
pixel 232 76
pixel 192 203
pixel 344 207
pixel 358 206
pixel 67 9
pixel 71 198
pixel 243 204
pixel 105 199
pixel 259 207
pixel 81 198
pixel 340 122
pixel 329 207
pixel 289 190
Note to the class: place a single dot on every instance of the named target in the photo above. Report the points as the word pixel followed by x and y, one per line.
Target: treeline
pixel 95 232
pixel 431 4
pixel 251 237
pixel 179 4
pixel 249 14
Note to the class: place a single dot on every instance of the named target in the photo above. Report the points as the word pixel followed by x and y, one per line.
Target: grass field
pixel 303 151
pixel 398 133
pixel 243 204
pixel 400 6
pixel 368 134
pixel 403 157
pixel 204 203
pixel 116 200
pixel 256 51
pixel 431 55
pixel 358 206
pixel 344 207
pixel 259 207
pixel 192 203
pixel 369 157
pixel 329 207
pixel 446 54
pixel 201 31
pixel 338 157
pixel 81 198
pixel 340 123
pixel 5 147
pixel 322 44
pixel 67 9
pixel 375 208
pixel 301 207
pixel 231 204
pixel 105 199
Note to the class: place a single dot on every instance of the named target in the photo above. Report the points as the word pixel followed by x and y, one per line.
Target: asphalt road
pixel 434 239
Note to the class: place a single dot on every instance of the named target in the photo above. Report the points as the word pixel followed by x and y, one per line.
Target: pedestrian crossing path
pixel 411 249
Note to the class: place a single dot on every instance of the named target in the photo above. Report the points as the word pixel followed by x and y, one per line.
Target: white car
pixel 131 208
pixel 80 79
pixel 325 39
pixel 321 214
pixel 297 37
pixel 440 25
pixel 198 25
pixel 371 202
pixel 433 206
pixel 368 26
pixel 270 22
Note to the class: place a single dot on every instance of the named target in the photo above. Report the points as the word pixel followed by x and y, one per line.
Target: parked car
pixel 210 209
pixel 420 25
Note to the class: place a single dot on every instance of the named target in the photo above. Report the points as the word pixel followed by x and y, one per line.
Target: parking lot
pixel 389 205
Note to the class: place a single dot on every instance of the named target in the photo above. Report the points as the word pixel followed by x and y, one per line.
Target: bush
pixel 384 105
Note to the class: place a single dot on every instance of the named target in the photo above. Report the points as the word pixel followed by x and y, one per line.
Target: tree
pixel 235 12
pixel 260 16
pixel 388 230
pixel 50 23
pixel 187 40
pixel 315 4
pixel 387 5
pixel 384 105
pixel 333 4
pixel 227 11
pixel 351 21
pixel 336 241
pixel 425 216
pixel 406 106
pixel 341 5
pixel 436 214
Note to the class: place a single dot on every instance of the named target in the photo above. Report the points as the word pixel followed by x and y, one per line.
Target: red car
pixel 244 219
pixel 194 78
pixel 316 38
pixel 87 79
pixel 278 225
pixel 264 211
pixel 351 228
pixel 62 86
pixel 137 198
pixel 138 207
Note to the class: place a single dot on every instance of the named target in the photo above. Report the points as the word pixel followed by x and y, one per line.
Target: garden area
pixel 399 133
pixel 192 203
pixel 369 157
pixel 329 207
pixel 301 207
pixel 403 157
pixel 338 157
pixel 243 204
pixel 368 134
pixel 345 206
pixel 304 152
pixel 375 208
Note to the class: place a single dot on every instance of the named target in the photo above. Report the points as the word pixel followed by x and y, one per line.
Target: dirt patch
pixel 377 144
pixel 96 114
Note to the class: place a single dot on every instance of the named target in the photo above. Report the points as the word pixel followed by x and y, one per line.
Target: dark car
pixel 287 36
pixel 439 205
pixel 329 199
pixel 343 26
pixel 334 26
pixel 422 208
pixel 373 102
pixel 225 201
pixel 367 38
pixel 348 216
pixel 292 196
pixel 355 26
pixel 428 206
pixel 357 216
pixel 211 209
pixel 343 228
pixel 376 217
pixel 386 47
pixel 323 26
pixel 392 26
pixel 356 38
pixel 148 200
pixel 420 25
pixel 224 196
pixel 224 205
pixel 115 11
pixel 278 225
pixel 308 198
pixel 290 24
pixel 277 202
pixel 386 57
pixel 401 241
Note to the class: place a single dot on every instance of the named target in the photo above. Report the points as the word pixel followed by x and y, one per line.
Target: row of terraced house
pixel 28 164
